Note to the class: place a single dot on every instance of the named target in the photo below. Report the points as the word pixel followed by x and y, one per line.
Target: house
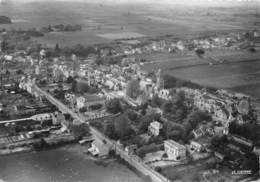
pixel 174 150
pixel 130 149
pixel 154 128
pixel 198 147
pixel 71 98
pixel 42 117
pixel 214 105
pixel 99 148
pixel 164 94
pixel 80 102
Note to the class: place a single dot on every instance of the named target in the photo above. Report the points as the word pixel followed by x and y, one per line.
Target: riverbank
pixel 37 144
pixel 67 163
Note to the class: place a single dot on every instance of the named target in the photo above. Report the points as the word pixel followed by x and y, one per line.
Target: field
pixel 240 72
pixel 104 22
pixel 121 35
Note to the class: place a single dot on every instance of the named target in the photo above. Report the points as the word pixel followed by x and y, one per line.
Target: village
pixel 169 125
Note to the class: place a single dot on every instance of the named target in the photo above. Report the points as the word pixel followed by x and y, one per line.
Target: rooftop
pixel 174 144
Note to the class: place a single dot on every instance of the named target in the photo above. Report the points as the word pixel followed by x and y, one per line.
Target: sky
pixel 162 2
pixel 131 1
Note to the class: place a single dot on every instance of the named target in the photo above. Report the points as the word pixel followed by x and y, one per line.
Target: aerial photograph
pixel 129 90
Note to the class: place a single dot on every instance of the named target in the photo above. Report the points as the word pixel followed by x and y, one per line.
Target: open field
pixel 170 62
pixel 110 19
pixel 122 35
pixel 240 72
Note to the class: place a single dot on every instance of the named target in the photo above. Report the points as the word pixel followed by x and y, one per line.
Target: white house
pixel 80 102
pixel 99 148
pixel 196 146
pixel 174 150
pixel 154 128
pixel 164 94
pixel 42 117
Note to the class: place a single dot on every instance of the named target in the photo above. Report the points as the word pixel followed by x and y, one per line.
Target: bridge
pixel 133 160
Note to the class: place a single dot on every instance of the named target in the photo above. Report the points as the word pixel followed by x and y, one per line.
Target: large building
pixel 174 150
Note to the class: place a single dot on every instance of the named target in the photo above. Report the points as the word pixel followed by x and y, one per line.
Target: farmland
pixel 101 22
pixel 240 72
pixel 122 35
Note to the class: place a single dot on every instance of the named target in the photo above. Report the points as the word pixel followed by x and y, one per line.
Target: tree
pixel 79 87
pixel 251 49
pixel 19 72
pixel 175 109
pixel 80 131
pixel 122 127
pixel 251 162
pixel 168 107
pixel 200 52
pixel 109 130
pixel 95 106
pixel 180 99
pixel 156 101
pixel 132 115
pixel 57 47
pixel 4 46
pixel 193 119
pixel 133 89
pixel 70 79
pixel 114 106
pixel 174 131
pixel 49 28
pixel 145 121
pixel 158 169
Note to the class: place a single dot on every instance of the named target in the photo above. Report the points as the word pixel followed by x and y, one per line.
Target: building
pixel 154 128
pixel 164 94
pixel 130 149
pixel 99 148
pixel 80 102
pixel 159 80
pixel 174 150
pixel 42 117
pixel 198 147
pixel 214 105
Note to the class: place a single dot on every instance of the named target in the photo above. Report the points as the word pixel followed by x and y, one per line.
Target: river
pixel 65 164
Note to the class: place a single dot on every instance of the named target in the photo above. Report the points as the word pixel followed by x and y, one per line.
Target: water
pixel 66 164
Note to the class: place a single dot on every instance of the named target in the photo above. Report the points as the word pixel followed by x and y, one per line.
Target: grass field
pixel 118 19
pixel 239 73
pixel 121 35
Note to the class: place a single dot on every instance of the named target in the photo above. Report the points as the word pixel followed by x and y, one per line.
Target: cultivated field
pixel 240 71
pixel 121 35
pixel 111 21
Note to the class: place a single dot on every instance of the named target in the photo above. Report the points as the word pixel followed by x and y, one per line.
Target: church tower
pixel 159 80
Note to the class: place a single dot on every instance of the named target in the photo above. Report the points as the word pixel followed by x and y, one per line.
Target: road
pixel 132 160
